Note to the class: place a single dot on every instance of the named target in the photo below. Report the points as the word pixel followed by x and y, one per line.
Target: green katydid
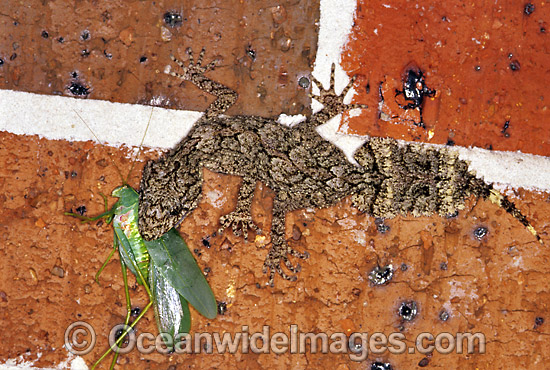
pixel 165 267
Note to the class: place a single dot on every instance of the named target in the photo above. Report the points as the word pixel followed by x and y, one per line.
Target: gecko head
pixel 170 189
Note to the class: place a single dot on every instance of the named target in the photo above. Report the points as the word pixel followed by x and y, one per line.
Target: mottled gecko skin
pixel 302 168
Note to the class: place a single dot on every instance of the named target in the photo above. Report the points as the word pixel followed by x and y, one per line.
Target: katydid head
pixel 126 194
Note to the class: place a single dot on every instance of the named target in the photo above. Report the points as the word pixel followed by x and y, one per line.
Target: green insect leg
pixel 128 305
pixel 115 247
pixel 108 214
pixel 125 256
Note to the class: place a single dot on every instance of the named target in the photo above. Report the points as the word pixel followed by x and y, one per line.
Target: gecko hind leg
pixel 240 219
pixel 280 250
pixel 296 254
pixel 274 259
pixel 240 222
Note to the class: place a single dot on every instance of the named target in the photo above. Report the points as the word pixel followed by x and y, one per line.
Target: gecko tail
pixel 502 201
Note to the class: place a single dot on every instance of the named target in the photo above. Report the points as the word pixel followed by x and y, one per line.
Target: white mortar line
pixel 505 169
pixel 54 117
pixel 20 363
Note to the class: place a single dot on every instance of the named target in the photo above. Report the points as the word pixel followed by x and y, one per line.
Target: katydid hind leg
pixel 124 256
pixel 106 262
pixel 128 305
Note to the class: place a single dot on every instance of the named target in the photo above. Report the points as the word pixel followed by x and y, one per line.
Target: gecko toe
pixel 300 255
pixel 290 266
pixel 285 276
pixel 271 280
pixel 239 222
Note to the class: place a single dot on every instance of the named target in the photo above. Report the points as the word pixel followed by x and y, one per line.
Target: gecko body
pixel 302 168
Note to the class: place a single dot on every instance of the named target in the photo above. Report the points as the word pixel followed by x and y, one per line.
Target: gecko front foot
pixel 278 255
pixel 332 102
pixel 240 223
pixel 192 69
